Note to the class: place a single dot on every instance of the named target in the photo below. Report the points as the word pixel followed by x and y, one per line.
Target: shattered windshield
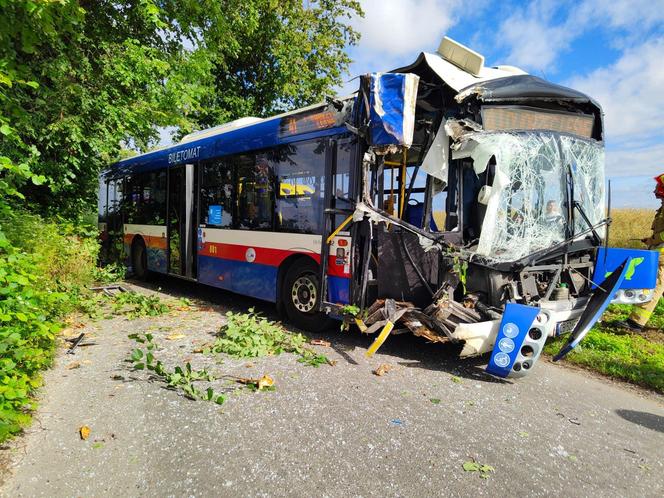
pixel 526 203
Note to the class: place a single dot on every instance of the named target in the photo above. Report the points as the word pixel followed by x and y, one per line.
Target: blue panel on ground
pixel 214 271
pixel 641 272
pixel 157 260
pixel 514 326
pixel 338 290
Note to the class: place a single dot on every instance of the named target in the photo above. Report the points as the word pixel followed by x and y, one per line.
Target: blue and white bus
pixel 459 202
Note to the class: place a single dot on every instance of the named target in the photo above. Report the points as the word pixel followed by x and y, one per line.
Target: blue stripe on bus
pixel 249 279
pixel 338 289
pixel 263 135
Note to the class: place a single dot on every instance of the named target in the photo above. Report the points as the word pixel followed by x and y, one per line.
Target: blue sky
pixel 611 50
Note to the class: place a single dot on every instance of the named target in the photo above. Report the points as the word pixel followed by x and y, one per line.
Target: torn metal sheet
pixel 436 161
pixel 522 87
pixel 453 75
pixel 392 101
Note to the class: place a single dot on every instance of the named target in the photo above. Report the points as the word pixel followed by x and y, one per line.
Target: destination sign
pixel 184 155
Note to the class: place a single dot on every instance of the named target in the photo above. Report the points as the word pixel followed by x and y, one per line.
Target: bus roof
pixel 247 134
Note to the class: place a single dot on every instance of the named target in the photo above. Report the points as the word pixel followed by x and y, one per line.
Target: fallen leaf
pixel 456 380
pixel 84 432
pixel 248 365
pixel 320 342
pixel 435 401
pixel 523 434
pixel 69 333
pixel 175 337
pixel 265 381
pixel 331 362
pixel 471 466
pixel 73 365
pixel 382 369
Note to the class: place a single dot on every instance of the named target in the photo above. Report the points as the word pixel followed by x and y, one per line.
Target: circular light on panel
pixel 510 330
pixel 506 345
pixel 502 360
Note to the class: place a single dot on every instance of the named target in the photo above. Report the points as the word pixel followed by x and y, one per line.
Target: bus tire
pixel 300 296
pixel 139 259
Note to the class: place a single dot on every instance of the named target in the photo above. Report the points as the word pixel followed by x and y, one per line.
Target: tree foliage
pixel 81 79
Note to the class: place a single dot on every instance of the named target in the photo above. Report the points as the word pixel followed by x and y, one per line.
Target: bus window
pixel 145 202
pixel 255 191
pixel 341 189
pixel 300 170
pixel 217 193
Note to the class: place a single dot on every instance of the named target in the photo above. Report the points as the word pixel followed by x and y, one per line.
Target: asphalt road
pixel 334 430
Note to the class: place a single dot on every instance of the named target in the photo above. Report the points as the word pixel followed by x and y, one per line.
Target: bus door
pixel 181 245
pixel 336 243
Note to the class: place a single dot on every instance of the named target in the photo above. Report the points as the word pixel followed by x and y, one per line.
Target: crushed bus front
pixel 480 213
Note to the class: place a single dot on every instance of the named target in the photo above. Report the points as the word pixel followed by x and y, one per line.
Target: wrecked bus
pixel 454 201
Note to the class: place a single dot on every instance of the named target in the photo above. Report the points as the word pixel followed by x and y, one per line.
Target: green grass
pixel 636 358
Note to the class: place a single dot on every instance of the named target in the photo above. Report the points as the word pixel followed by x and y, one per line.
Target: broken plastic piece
pixel 380 339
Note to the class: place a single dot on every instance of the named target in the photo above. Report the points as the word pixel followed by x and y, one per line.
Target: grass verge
pixel 636 358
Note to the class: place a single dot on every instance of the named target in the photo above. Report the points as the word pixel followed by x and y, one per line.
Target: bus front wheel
pixel 139 260
pixel 301 297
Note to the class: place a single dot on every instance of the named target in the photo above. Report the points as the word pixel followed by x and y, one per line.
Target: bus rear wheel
pixel 139 260
pixel 301 297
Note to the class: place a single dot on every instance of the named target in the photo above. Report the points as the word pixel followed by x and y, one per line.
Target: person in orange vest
pixel 642 312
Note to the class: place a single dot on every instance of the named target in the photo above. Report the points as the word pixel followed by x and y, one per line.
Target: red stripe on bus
pixel 264 256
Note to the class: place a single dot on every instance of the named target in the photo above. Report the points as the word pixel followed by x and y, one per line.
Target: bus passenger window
pixel 300 169
pixel 145 202
pixel 255 192
pixel 216 194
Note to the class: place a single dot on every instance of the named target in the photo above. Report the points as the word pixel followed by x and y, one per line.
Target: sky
pixel 611 50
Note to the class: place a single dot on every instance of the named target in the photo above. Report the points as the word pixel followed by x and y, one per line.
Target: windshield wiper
pixel 596 236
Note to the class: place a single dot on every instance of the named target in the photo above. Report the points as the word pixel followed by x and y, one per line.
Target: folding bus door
pixel 181 246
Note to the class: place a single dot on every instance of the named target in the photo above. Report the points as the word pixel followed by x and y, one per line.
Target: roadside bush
pixel 44 268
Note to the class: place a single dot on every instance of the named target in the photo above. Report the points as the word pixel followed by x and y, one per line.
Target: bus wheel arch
pixel 298 287
pixel 139 257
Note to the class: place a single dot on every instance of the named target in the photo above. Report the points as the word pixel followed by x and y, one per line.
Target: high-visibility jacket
pixel 657 239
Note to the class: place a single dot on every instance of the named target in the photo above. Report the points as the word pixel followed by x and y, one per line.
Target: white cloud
pixel 532 40
pixel 403 27
pixel 537 34
pixel 630 92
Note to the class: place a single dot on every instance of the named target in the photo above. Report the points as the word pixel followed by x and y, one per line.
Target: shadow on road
pixel 411 351
pixel 644 419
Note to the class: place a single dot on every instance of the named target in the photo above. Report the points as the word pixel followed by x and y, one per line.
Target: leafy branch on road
pixel 130 304
pixel 180 378
pixel 250 335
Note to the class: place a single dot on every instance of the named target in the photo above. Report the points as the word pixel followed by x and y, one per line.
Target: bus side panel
pixel 155 244
pixel 338 289
pixel 338 270
pixel 215 271
pixel 247 262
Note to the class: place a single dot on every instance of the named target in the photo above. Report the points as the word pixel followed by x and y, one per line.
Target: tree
pixel 81 79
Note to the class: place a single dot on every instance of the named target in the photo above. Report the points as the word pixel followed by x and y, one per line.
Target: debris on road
pixel 320 342
pixel 75 343
pixel 84 432
pixel 382 369
pixel 73 365
pixel 109 290
pixel 474 466
pixel 175 337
